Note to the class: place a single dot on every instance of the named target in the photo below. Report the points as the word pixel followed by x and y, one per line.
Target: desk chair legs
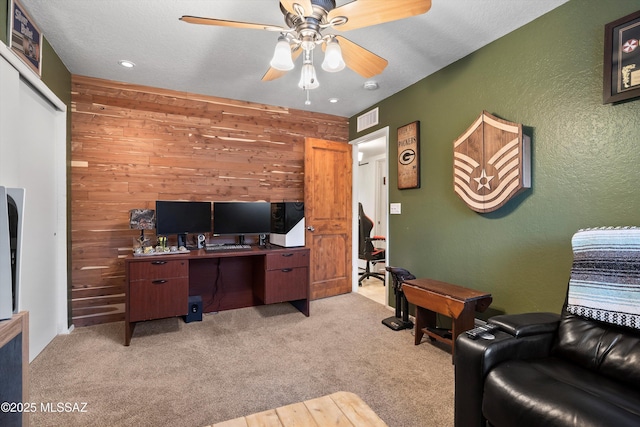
pixel 368 273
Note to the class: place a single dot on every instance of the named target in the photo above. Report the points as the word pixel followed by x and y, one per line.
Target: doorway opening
pixel 370 188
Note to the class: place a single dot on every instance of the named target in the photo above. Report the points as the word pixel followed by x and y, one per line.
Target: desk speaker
pixel 195 309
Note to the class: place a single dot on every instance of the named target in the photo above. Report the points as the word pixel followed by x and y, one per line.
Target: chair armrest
pixel 475 358
pixel 525 324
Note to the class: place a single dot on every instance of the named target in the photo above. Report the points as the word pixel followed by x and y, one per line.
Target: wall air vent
pixel 367 120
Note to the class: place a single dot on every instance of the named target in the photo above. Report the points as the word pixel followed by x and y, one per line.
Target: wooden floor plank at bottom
pixel 358 412
pixel 340 409
pixel 326 413
pixel 296 415
pixel 264 419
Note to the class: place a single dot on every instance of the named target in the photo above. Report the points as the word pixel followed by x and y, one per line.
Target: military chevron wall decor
pixel 491 163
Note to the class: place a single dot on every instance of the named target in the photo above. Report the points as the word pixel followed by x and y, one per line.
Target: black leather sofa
pixel 545 369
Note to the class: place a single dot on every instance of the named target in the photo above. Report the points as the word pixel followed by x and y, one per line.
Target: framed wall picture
pixel 622 59
pixel 409 156
pixel 25 37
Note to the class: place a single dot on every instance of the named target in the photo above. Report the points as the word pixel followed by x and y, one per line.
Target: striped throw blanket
pixel 605 276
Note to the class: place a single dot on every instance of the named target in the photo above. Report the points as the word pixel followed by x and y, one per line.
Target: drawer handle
pixel 158 262
pixel 287 255
pixel 286 270
pixel 159 282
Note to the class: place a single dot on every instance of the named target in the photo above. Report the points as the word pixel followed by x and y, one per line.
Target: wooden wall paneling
pixel 132 145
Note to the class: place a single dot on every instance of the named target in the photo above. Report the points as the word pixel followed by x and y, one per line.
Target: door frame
pixel 380 133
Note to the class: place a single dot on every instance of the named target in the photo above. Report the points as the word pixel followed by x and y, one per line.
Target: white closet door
pixel 32 156
pixel 38 293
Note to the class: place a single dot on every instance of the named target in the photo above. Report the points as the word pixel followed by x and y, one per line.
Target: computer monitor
pixel 241 218
pixel 181 218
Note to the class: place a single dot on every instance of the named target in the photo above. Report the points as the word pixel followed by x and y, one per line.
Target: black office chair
pixel 366 250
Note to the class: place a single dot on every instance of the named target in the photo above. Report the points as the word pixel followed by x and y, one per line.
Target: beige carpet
pixel 240 362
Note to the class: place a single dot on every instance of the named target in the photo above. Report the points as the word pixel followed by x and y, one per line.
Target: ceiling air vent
pixel 368 120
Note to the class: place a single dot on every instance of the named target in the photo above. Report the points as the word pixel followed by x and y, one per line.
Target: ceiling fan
pixel 307 19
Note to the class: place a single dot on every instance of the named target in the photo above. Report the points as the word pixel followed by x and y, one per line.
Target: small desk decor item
pixel 25 37
pixel 142 219
pixel 409 156
pixel 622 59
pixel 491 163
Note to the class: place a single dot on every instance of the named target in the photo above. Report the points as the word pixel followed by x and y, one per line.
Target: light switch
pixel 395 208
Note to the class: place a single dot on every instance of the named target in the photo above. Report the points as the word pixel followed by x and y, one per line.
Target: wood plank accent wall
pixel 133 145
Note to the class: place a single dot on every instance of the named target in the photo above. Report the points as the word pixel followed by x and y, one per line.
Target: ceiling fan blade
pixel 363 13
pixel 273 73
pixel 361 60
pixel 223 23
pixel 305 4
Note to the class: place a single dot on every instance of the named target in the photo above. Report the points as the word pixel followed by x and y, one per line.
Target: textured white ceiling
pixel 91 36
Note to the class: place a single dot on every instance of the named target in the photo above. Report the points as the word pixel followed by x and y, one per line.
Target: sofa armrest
pixel 475 358
pixel 526 324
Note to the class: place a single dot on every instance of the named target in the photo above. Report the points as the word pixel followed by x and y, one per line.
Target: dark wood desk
pixel 431 297
pixel 159 286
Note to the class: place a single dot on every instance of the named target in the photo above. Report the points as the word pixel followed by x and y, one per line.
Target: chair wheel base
pixel 367 275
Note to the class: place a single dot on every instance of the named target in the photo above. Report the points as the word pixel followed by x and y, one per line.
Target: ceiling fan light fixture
pixel 305 22
pixel 308 78
pixel 282 55
pixel 333 61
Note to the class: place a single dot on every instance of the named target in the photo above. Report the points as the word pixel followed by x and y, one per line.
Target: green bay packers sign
pixel 491 163
pixel 408 156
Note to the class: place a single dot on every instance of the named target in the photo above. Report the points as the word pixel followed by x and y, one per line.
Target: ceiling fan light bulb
pixel 282 56
pixel 333 61
pixel 308 78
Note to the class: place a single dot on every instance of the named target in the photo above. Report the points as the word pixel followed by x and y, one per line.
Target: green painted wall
pixel 546 75
pixel 4 20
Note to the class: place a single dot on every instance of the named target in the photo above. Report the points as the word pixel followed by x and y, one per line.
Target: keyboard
pixel 226 247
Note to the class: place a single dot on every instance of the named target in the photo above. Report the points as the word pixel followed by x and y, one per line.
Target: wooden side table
pixel 431 297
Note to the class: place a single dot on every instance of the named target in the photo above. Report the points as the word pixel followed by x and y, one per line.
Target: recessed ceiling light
pixel 126 64
pixel 333 100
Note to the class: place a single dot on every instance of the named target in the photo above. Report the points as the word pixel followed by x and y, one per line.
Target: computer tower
pixel 195 309
pixel 287 224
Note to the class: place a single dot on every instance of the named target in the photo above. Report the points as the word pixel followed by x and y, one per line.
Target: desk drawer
pixel 158 298
pixel 287 259
pixel 158 269
pixel 287 284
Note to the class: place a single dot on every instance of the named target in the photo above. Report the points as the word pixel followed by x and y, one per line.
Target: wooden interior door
pixel 327 205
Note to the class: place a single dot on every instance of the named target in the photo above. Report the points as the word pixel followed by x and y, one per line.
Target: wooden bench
pixel 341 409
